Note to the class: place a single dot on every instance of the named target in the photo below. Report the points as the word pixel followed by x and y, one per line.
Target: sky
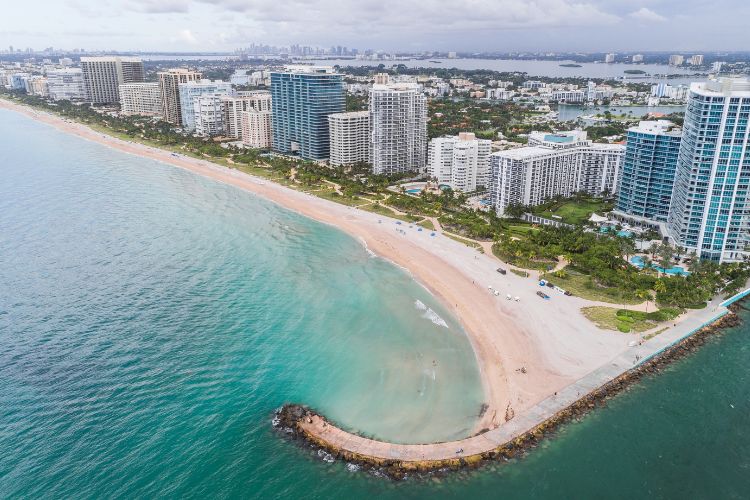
pixel 409 25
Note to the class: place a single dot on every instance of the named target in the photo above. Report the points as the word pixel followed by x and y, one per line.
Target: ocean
pixel 152 320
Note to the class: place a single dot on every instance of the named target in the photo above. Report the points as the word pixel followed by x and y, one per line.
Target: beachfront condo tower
pixel 644 191
pixel 303 97
pixel 103 76
pixel 66 84
pixel 710 212
pixel 461 162
pixel 169 87
pixel 553 165
pixel 350 137
pixel 141 99
pixel 234 105
pixel 398 124
pixel 191 90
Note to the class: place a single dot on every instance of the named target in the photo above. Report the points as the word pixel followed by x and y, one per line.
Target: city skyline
pixel 504 25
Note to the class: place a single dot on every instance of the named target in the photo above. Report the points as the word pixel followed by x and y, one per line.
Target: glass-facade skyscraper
pixel 303 97
pixel 710 205
pixel 648 171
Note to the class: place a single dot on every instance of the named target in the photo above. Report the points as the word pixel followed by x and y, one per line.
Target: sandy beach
pixel 527 350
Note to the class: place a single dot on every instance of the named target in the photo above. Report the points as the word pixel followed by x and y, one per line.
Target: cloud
pixel 647 15
pixel 161 6
pixel 186 36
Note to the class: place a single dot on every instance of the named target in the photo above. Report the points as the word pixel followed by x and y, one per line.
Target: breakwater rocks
pixel 303 424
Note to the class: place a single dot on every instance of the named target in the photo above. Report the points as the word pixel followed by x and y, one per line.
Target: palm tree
pixel 643 294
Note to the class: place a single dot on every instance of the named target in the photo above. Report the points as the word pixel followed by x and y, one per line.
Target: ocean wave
pixel 430 314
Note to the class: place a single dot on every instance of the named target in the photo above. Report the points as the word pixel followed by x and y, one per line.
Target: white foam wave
pixel 430 314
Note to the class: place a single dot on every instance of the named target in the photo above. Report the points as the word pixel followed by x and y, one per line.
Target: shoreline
pixel 527 352
pixel 296 421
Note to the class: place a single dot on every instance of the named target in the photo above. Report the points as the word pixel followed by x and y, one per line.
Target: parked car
pixel 501 270
pixel 543 295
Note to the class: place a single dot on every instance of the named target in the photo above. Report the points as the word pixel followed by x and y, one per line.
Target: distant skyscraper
pixel 398 121
pixel 461 162
pixel 350 137
pixel 648 170
pixel 169 87
pixel 609 58
pixel 696 60
pixel 191 90
pixel 303 97
pixel 102 77
pixel 637 58
pixel 710 212
pixel 676 60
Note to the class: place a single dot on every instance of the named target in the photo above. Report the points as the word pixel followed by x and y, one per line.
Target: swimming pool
pixel 637 261
pixel 414 191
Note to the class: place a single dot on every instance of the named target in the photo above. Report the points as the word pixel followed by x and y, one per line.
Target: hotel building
pixel 103 76
pixel 169 88
pixel 66 84
pixel 710 211
pixel 303 97
pixel 461 162
pixel 140 99
pixel 553 165
pixel 398 123
pixel 644 192
pixel 350 137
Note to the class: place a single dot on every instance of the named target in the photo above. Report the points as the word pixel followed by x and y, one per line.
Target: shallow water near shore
pixel 151 320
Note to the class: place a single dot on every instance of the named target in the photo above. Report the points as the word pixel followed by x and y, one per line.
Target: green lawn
pixel 623 320
pixel 427 224
pixel 572 211
pixel 380 209
pixel 468 243
pixel 583 286
pixel 334 196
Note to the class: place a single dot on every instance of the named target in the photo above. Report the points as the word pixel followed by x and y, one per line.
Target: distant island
pixel 635 72
pixel 571 65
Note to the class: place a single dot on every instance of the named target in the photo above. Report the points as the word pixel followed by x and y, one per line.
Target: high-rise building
pixel 103 76
pixel 644 191
pixel 350 137
pixel 609 58
pixel 190 90
pixel 398 121
pixel 461 162
pixel 303 97
pixel 37 85
pixel 208 110
pixel 66 84
pixel 710 212
pixel 553 165
pixel 676 60
pixel 259 100
pixel 256 128
pixel 169 87
pixel 140 99
pixel 696 60
pixel 637 58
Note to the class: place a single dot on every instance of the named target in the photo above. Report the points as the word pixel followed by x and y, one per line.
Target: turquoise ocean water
pixel 152 320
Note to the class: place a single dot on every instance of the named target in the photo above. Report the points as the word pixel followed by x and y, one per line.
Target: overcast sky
pixel 462 25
